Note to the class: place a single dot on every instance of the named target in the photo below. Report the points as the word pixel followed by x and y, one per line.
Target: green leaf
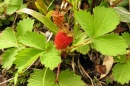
pixel 26 57
pixel 84 49
pixel 7 1
pixel 85 19
pixel 8 39
pixel 105 20
pixel 51 57
pixel 47 78
pixel 33 39
pixel 121 59
pixel 41 6
pixel 48 23
pixel 123 3
pixel 68 78
pixel 110 44
pixel 37 78
pixel 13 6
pixel 104 3
pixel 16 2
pixel 124 14
pixel 24 25
pixel 11 9
pixel 8 57
pixel 48 15
pixel 121 72
pixel 126 36
pixel 81 38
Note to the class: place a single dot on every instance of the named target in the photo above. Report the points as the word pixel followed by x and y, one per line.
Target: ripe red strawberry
pixel 62 40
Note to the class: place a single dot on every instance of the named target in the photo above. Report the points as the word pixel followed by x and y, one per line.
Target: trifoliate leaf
pixel 121 59
pixel 33 39
pixel 8 39
pixel 26 57
pixel 69 78
pixel 47 78
pixel 8 57
pixel 121 72
pixel 105 20
pixel 126 36
pixel 24 25
pixel 85 19
pixel 51 57
pixel 110 44
pixel 42 78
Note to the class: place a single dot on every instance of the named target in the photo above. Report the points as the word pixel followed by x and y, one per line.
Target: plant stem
pixel 57 75
pixel 88 41
pixel 16 15
pixel 117 2
pixel 44 76
pixel 50 4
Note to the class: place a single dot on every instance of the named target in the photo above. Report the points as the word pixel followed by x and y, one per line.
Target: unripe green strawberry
pixel 62 40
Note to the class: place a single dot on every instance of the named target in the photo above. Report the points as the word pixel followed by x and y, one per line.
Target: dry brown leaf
pixel 101 69
pixel 108 62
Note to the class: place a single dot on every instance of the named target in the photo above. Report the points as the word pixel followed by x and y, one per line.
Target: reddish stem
pixel 117 2
pixel 57 75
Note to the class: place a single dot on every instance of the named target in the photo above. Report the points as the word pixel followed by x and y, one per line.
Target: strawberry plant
pixel 25 48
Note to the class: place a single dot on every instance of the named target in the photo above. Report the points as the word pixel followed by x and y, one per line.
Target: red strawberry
pixel 62 40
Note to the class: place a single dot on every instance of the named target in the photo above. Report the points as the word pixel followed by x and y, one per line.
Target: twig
pixel 6 81
pixel 103 83
pixel 14 20
pixel 86 42
pixel 58 72
pixel 28 67
pixel 80 66
pixel 117 2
